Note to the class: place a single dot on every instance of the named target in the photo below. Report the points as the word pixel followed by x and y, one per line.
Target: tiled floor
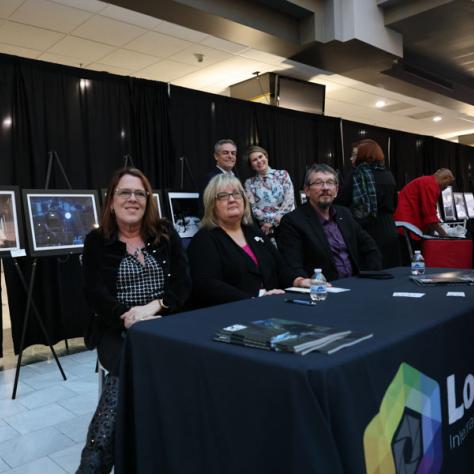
pixel 44 429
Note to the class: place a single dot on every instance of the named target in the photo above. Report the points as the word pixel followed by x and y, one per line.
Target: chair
pixel 102 373
pixel 437 251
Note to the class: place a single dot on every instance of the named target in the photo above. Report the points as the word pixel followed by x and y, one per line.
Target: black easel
pixel 183 161
pixel 128 161
pixel 52 156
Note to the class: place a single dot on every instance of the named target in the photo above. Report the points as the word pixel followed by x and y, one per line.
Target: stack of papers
pixel 288 336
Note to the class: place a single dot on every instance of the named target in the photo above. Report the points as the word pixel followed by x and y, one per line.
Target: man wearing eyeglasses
pixel 319 234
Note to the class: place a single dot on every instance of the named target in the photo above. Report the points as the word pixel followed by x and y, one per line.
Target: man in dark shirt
pixel 225 154
pixel 319 234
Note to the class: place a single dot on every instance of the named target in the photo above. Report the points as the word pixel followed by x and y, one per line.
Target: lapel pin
pixel 258 239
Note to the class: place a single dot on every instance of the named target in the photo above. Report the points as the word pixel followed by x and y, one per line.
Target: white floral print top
pixel 270 196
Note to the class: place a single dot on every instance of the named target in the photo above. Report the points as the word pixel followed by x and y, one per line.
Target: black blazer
pixel 214 172
pixel 303 243
pixel 205 181
pixel 221 271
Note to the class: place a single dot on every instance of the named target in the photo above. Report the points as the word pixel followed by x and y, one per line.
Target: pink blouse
pixel 249 252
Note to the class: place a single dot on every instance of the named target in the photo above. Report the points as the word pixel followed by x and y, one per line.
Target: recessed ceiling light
pixel 437 118
pixel 380 103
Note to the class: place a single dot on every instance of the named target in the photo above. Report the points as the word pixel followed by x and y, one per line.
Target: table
pixel 191 405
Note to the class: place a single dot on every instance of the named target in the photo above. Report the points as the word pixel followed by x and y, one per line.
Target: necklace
pixel 138 252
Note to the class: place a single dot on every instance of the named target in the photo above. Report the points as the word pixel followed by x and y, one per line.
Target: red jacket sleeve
pixel 428 199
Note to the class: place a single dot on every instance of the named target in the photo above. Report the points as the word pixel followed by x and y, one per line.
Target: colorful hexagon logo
pixel 405 436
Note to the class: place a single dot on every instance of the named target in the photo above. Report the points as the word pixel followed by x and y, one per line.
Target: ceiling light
pixel 380 103
pixel 437 118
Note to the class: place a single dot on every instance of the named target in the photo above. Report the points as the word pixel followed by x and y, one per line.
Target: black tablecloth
pixel 191 405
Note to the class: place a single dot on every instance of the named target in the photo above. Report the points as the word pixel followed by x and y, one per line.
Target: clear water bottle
pixel 418 264
pixel 319 286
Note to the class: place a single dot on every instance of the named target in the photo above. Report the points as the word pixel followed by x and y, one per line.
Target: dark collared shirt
pixel 336 244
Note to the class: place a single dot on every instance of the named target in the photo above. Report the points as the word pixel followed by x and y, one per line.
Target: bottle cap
pixel 417 251
pixel 316 270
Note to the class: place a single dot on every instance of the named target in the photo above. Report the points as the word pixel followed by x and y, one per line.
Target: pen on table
pixel 305 302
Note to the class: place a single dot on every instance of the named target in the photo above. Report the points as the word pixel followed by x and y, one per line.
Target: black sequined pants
pixel 98 454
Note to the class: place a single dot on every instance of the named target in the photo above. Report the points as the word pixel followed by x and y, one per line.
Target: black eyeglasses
pixel 237 195
pixel 330 183
pixel 125 193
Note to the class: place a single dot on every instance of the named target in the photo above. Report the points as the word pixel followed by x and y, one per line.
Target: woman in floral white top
pixel 270 191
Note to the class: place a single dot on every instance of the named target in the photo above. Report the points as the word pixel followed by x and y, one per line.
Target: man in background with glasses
pixel 319 234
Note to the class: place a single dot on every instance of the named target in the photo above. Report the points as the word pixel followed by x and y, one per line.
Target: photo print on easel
pixel 11 231
pixel 460 205
pixel 469 198
pixel 184 209
pixel 58 221
pixel 448 204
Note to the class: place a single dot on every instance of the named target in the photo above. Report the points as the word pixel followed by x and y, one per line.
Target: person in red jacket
pixel 417 201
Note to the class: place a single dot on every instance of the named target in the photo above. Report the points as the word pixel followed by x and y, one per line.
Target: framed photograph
pixel 448 204
pixel 184 209
pixel 11 230
pixel 303 197
pixel 460 205
pixel 469 199
pixel 157 195
pixel 58 220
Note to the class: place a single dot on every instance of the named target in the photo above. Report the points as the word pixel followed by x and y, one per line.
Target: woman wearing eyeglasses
pixel 134 271
pixel 230 258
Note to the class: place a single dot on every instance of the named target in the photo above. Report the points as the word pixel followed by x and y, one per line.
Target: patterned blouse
pixel 270 196
pixel 137 283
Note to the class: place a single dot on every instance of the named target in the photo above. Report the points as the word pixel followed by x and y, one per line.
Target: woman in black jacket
pixel 230 258
pixel 371 193
pixel 134 270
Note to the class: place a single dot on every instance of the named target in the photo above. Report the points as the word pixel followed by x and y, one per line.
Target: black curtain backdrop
pixel 291 139
pixel 94 119
pixel 407 149
pixel 192 121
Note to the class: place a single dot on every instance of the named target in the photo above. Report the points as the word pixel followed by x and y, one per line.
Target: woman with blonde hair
pixel 230 258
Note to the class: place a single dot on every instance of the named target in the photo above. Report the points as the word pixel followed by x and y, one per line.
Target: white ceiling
pixel 95 35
